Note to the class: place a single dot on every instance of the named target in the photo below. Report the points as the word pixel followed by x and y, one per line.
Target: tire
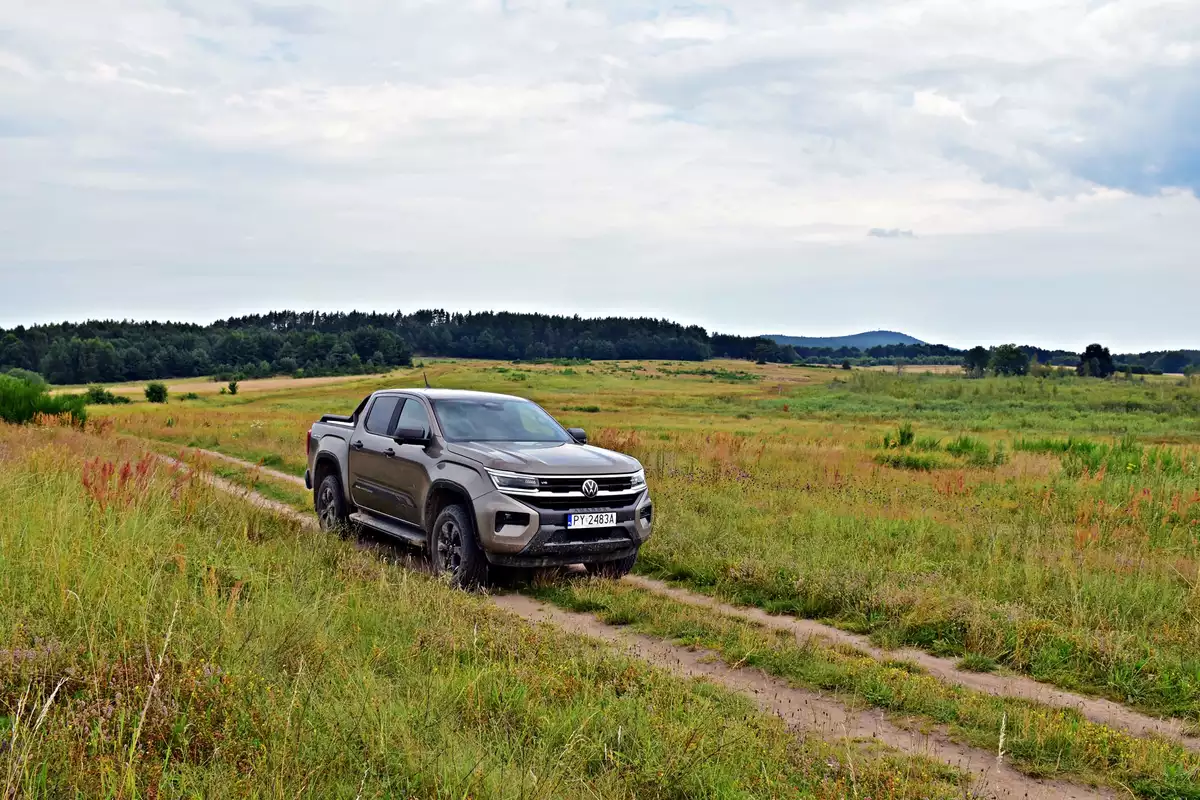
pixel 613 569
pixel 330 504
pixel 454 551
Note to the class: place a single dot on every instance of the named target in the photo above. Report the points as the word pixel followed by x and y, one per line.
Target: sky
pixel 966 172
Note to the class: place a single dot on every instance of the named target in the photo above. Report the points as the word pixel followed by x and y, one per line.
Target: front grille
pixel 588 536
pixel 616 483
pixel 576 503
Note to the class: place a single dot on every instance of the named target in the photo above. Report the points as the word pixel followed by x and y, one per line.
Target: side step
pixel 400 530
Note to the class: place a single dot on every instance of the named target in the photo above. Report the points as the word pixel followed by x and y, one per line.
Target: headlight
pixel 639 479
pixel 511 482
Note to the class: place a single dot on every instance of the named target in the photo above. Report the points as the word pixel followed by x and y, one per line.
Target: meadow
pixel 1051 525
pixel 165 639
pixel 1041 526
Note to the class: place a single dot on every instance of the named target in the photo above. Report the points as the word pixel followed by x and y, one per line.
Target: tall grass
pixel 158 638
pixel 1050 555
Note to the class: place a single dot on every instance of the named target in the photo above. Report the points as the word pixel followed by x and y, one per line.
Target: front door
pixel 408 474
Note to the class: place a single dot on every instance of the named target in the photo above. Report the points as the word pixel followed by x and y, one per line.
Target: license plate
pixel 604 519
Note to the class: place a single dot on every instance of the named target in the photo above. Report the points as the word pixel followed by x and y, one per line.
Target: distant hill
pixel 860 340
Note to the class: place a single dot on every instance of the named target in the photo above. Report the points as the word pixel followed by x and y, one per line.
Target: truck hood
pixel 545 458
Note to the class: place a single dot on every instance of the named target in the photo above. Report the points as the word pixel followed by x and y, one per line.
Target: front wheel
pixel 454 550
pixel 613 569
pixel 330 505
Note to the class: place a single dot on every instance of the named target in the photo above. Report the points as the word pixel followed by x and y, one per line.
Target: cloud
pixel 546 136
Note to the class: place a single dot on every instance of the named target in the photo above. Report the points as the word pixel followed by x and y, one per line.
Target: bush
pixel 20 401
pixel 99 396
pixel 913 461
pixel 191 396
pixel 233 386
pixel 27 376
pixel 156 392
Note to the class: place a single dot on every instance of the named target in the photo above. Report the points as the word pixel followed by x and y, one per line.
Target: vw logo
pixel 590 487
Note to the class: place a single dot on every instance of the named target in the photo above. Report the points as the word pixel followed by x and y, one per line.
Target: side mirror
pixel 578 434
pixel 410 436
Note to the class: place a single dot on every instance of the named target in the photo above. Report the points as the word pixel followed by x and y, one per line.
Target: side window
pixel 380 416
pixel 413 415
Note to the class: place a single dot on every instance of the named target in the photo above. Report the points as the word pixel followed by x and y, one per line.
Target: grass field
pixel 1039 526
pixel 163 639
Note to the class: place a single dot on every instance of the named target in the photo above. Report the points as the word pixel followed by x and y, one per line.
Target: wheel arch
pixel 443 493
pixel 327 464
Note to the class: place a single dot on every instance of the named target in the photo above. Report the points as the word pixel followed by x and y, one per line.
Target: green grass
pixel 182 643
pixel 1040 741
pixel 1055 527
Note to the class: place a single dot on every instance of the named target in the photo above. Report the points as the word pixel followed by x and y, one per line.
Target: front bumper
pixel 546 541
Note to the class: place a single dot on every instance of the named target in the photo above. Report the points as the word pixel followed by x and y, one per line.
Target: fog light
pixel 647 513
pixel 504 518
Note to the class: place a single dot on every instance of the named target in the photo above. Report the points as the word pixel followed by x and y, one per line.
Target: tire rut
pixel 1098 710
pixel 804 710
pixel 807 712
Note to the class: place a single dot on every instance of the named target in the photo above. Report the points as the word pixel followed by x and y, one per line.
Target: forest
pixel 311 343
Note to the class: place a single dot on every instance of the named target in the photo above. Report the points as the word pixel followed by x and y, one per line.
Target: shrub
pixel 20 401
pixel 191 396
pixel 913 461
pixel 156 392
pixel 27 376
pixel 99 396
pixel 233 386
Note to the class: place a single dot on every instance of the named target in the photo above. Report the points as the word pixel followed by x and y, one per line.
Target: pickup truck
pixel 481 481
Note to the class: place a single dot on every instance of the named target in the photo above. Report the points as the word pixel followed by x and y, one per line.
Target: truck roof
pixel 450 394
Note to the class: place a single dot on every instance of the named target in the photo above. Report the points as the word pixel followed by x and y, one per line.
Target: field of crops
pixel 1028 527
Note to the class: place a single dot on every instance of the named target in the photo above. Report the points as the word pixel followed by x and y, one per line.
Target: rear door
pixel 409 472
pixel 372 453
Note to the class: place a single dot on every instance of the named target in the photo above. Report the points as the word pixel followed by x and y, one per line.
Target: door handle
pixel 390 453
pixel 357 445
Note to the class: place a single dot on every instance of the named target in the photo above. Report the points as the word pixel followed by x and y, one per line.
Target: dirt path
pixel 806 711
pixel 250 465
pixel 1098 710
pixel 1104 712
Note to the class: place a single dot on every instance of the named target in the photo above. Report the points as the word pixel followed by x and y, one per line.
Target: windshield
pixel 471 420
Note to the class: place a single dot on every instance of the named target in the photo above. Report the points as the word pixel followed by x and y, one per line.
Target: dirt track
pixel 1098 710
pixel 808 712
pixel 1104 712
pixel 805 711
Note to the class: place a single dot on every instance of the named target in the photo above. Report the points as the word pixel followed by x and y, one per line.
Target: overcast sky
pixel 967 172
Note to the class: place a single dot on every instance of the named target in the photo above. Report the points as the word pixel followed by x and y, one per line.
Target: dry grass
pixel 769 490
pixel 163 639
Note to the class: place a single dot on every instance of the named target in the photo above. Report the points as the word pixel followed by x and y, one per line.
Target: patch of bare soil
pixel 1098 710
pixel 809 712
pixel 271 473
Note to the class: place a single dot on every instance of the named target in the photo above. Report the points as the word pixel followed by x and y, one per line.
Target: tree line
pixel 1096 361
pixel 316 343
pixel 310 343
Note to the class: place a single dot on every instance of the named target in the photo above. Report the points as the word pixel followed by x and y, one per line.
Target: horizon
pixel 1003 174
pixel 207 321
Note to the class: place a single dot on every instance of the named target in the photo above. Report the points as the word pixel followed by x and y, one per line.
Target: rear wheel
pixel 330 505
pixel 613 569
pixel 454 550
